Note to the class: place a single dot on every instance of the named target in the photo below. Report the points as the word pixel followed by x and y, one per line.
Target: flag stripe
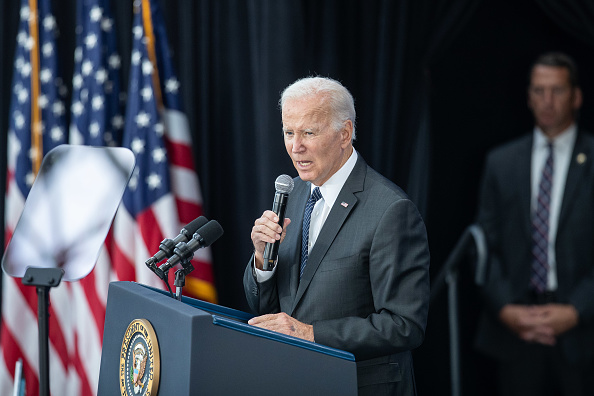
pixel 151 235
pixel 56 334
pixel 123 235
pixel 164 215
pixel 183 181
pixel 87 341
pixel 85 387
pixel 28 293
pixel 123 267
pixel 59 375
pixel 11 356
pixel 177 129
pixel 186 210
pixel 202 269
pixel 14 205
pixel 21 323
pixel 93 303
pixel 6 376
pixel 178 155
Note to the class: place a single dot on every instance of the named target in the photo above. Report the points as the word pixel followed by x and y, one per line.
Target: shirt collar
pixel 334 184
pixel 563 140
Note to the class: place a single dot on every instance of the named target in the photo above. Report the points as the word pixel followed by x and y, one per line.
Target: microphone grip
pixel 166 248
pixel 271 249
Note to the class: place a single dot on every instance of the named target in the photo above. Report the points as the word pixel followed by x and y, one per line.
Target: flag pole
pixel 36 141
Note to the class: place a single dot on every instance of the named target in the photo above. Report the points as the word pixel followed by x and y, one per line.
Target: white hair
pixel 338 98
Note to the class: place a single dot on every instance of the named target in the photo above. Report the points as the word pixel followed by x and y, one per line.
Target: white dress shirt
pixel 562 150
pixel 329 190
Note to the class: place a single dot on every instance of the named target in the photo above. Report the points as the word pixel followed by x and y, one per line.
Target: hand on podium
pixel 284 324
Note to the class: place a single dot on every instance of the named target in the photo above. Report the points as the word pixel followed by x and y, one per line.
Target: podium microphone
pixel 168 245
pixel 204 237
pixel 284 185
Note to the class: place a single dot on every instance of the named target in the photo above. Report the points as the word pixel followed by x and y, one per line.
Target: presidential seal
pixel 139 360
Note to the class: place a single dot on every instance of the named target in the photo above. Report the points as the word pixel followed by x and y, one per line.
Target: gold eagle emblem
pixel 141 370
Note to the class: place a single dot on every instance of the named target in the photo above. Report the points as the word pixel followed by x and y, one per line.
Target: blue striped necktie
pixel 540 227
pixel 311 202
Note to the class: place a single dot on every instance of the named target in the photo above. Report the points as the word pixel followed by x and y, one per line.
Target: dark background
pixel 436 83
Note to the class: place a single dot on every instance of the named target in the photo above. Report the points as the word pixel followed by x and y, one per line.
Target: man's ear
pixel 577 98
pixel 346 134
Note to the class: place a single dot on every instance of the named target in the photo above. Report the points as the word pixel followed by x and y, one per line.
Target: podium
pixel 206 349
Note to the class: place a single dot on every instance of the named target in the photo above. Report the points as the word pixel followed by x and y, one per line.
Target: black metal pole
pixel 455 372
pixel 43 323
pixel 43 279
pixel 451 264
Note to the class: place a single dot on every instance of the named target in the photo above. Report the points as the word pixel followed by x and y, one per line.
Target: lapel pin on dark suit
pixel 344 204
pixel 581 158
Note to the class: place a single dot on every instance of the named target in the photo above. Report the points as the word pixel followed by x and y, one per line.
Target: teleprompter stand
pixel 43 279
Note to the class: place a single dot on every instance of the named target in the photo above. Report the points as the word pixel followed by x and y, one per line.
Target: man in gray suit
pixel 537 210
pixel 355 274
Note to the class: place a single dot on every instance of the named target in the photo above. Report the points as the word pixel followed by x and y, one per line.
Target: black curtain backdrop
pixel 436 84
pixel 478 100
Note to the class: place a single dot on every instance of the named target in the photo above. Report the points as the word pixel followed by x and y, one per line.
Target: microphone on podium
pixel 167 247
pixel 183 251
pixel 284 185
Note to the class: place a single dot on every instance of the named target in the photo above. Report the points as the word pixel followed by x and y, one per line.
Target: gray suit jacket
pixel 366 285
pixel 504 213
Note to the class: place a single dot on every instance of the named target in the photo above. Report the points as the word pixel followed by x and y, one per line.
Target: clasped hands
pixel 539 323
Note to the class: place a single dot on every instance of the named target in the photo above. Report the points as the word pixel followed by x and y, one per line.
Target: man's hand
pixel 528 323
pixel 559 317
pixel 285 324
pixel 267 230
pixel 539 323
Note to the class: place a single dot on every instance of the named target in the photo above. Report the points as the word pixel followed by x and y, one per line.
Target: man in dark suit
pixel 355 274
pixel 537 210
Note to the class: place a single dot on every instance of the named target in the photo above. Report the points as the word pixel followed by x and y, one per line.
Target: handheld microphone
pixel 183 251
pixel 168 245
pixel 284 185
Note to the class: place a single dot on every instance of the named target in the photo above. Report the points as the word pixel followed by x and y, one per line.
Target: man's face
pixel 317 150
pixel 552 99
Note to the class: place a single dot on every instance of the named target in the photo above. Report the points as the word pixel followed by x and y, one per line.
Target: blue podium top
pixel 237 320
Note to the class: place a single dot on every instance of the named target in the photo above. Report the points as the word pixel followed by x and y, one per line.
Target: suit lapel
pixel 525 184
pixel 336 218
pixel 577 166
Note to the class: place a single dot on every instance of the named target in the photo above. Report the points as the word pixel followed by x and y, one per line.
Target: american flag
pixel 96 119
pixel 36 125
pixel 163 194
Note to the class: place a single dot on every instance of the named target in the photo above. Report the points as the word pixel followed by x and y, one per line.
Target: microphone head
pixel 195 225
pixel 209 233
pixel 284 184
